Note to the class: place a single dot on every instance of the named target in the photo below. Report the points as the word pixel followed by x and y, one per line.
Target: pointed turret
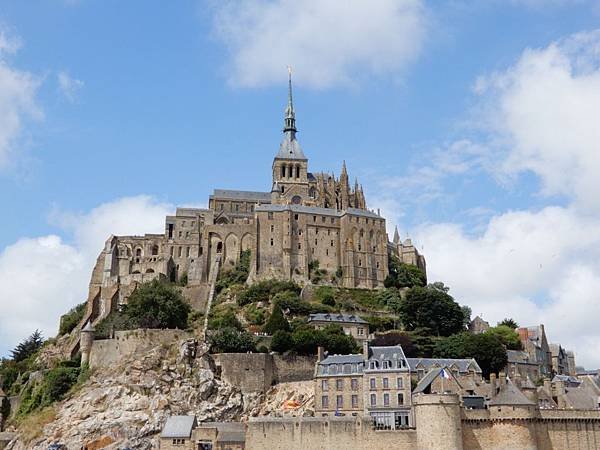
pixel 396 236
pixel 290 147
pixel 289 123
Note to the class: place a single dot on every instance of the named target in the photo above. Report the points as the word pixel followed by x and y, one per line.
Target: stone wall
pixel 106 352
pixel 333 433
pixel 257 372
pixel 479 429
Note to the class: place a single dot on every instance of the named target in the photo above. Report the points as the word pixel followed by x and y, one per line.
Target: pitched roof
pixel 290 147
pixel 582 398
pixel 178 427
pixel 430 378
pixel 340 318
pixel 342 359
pixel 519 357
pixel 428 363
pixel 241 195
pixel 389 353
pixel 510 395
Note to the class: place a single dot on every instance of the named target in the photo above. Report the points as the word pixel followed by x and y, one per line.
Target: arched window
pixel 312 192
pixel 154 250
pixel 150 271
pixel 138 252
pixel 219 247
pixel 282 171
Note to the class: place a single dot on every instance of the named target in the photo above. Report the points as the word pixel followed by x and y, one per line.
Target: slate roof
pixel 581 398
pixel 510 395
pixel 428 363
pixel 241 195
pixel 337 318
pixel 179 427
pixel 290 147
pixel 429 378
pixel 519 357
pixel 566 378
pixel 389 353
pixel 343 359
pixel 231 436
pixel 343 365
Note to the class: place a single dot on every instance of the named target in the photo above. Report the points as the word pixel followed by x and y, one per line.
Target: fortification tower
pixel 86 337
pixel 438 422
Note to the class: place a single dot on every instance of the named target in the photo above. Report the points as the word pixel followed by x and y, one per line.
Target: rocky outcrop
pixel 126 405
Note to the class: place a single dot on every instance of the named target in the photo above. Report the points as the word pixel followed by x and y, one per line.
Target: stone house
pixel 339 385
pixel 184 433
pixel 466 368
pixel 560 361
pixel 520 362
pixel 351 324
pixel 478 325
pixel 535 343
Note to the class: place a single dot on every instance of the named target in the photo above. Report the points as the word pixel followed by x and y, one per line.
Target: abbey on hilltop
pixel 305 218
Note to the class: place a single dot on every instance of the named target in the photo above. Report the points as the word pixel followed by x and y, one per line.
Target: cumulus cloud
pixel 17 99
pixel 538 266
pixel 543 112
pixel 42 278
pixel 325 43
pixel 69 86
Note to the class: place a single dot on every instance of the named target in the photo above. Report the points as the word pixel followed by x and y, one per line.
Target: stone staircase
pixel 212 280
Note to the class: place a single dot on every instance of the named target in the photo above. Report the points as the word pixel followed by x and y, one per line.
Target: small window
pixel 316 242
pixel 323 219
pixel 360 262
pixel 339 385
pixel 386 383
pixel 399 383
pixel 271 242
pixel 299 246
pixel 314 218
pixel 400 398
pixel 373 365
pixel 360 331
pixel 324 385
pixel 299 232
pixel 270 215
pixel 187 250
pixel 201 251
pixel 386 399
pixel 331 243
pixel 272 228
pixel 354 384
pixel 373 383
pixel 325 401
pixel 332 220
pixel 339 401
pixel 295 216
pixel 180 249
pixel 355 401
pixel 373 399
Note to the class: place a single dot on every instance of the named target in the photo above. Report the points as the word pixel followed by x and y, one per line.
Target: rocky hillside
pixel 127 404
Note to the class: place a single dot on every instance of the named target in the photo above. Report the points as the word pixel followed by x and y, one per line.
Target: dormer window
pixel 373 365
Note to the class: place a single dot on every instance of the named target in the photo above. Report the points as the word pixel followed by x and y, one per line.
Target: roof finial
pixel 290 117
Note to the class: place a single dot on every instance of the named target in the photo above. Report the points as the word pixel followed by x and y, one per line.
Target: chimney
pixel 502 378
pixel 493 384
pixel 548 386
pixel 320 353
pixel 366 349
pixel 517 379
pixel 559 385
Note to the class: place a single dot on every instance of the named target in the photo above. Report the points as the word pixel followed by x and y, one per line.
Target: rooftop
pixel 427 363
pixel 241 195
pixel 178 427
pixel 510 395
pixel 318 210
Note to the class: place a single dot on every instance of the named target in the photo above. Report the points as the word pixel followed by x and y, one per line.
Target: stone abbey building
pixel 305 217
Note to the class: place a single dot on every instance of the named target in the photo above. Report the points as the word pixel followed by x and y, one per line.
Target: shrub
pixel 282 341
pixel 263 291
pixel 377 323
pixel 404 275
pixel 276 321
pixel 70 320
pixel 237 275
pixel 183 279
pixel 117 321
pixel 262 349
pixel 230 340
pixel 224 318
pixel 254 315
pixel 158 305
pixel 507 335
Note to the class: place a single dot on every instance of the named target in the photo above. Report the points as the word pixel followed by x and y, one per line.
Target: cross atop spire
pixel 290 116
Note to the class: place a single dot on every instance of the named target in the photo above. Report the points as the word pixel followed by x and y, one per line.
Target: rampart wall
pixel 482 429
pixel 106 352
pixel 257 372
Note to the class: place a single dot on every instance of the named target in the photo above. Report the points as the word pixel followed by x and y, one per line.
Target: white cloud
pixel 325 42
pixel 544 110
pixel 69 86
pixel 42 278
pixel 537 267
pixel 17 100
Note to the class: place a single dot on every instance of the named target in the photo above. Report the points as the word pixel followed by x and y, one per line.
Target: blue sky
pixel 125 109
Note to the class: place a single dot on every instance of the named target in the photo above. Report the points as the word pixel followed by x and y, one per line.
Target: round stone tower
pixel 438 422
pixel 86 339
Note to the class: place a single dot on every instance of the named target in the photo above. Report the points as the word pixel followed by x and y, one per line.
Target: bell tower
pixel 290 166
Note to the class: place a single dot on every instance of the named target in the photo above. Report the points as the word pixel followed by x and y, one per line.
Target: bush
pixel 306 340
pixel 254 315
pixel 183 279
pixel 230 340
pixel 158 305
pixel 282 341
pixel 263 291
pixel 262 349
pixel 400 338
pixel 237 275
pixel 115 321
pixel 377 323
pixel 70 320
pixel 224 318
pixel 276 321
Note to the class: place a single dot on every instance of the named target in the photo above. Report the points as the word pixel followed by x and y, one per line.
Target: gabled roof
pixel 338 318
pixel 428 363
pixel 510 395
pixel 430 378
pixel 343 359
pixel 179 427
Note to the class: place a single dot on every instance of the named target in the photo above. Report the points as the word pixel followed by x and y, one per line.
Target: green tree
pixel 230 340
pixel 509 323
pixel 507 335
pixel 158 305
pixel 28 347
pixel 276 321
pixel 395 337
pixel 282 341
pixel 404 275
pixel 390 297
pixel 433 309
pixel 70 320
pixel 224 319
pixel 466 316
pixel 336 342
pixel 486 349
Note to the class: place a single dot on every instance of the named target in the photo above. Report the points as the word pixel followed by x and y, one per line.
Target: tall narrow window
pixel 339 401
pixel 400 399
pixel 386 399
pixel 373 399
pixel 170 231
pixel 297 171
pixel 324 385
pixel 355 401
pixel 282 171
pixel 325 401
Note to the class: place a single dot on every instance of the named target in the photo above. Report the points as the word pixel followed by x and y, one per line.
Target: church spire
pixel 290 116
pixel 396 236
